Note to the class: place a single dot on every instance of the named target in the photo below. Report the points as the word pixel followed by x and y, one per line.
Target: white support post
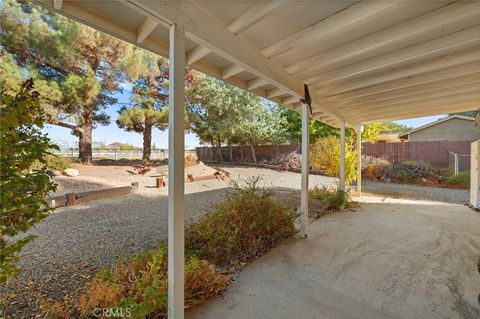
pixel 342 155
pixel 176 158
pixel 305 168
pixel 359 160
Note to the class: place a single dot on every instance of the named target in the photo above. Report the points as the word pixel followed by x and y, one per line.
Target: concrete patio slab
pixel 390 258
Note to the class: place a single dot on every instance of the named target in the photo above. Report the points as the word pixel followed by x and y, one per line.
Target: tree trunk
pixel 147 142
pixel 220 152
pixel 241 152
pixel 231 152
pixel 85 142
pixel 254 156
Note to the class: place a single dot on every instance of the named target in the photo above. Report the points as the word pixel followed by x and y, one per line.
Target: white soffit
pixel 363 60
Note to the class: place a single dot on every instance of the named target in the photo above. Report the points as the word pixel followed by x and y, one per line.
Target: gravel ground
pixel 448 195
pixel 74 243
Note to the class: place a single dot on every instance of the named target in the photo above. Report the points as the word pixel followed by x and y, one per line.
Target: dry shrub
pixel 191 160
pixel 139 286
pixel 291 160
pixel 325 156
pixel 410 172
pixel 241 229
pixel 372 167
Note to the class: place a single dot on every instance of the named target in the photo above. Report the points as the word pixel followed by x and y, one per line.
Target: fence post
pixel 115 152
pixel 456 164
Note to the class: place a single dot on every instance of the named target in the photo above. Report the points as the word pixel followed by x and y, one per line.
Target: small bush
pixel 56 162
pixel 325 156
pixel 461 180
pixel 139 286
pixel 288 161
pixel 330 199
pixel 326 200
pixel 247 225
pixel 191 160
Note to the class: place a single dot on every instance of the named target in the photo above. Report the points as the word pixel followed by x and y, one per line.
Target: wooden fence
pixel 434 152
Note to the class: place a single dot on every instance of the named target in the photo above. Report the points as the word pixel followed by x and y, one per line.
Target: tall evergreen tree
pixel 77 69
pixel 149 107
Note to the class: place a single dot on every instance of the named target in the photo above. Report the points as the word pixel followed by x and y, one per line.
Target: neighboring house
pixel 118 146
pixel 387 138
pixel 452 128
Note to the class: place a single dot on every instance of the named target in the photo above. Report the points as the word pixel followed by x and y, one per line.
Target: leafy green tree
pixel 232 116
pixel 76 69
pixel 371 131
pixel 392 127
pixel 25 175
pixel 293 125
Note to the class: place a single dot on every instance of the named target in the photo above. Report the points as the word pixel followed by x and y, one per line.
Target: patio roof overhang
pixel 364 61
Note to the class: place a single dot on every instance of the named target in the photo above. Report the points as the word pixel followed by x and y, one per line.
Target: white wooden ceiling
pixel 364 61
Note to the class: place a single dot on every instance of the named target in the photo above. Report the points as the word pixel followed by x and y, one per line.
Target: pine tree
pixel 77 69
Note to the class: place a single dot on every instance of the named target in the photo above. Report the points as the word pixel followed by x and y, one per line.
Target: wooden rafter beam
pixel 398 103
pixel 242 22
pixel 203 30
pixel 440 46
pixel 409 91
pixel 440 105
pixel 407 71
pixel 147 26
pixel 384 88
pixel 57 4
pixel 464 13
pixel 330 26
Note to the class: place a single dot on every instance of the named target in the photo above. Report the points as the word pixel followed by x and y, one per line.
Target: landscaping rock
pixel 72 172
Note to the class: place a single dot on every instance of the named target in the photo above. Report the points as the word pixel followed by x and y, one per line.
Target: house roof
pixel 448 118
pixel 363 61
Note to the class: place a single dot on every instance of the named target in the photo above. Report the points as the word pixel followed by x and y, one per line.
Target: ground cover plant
pixel 242 228
pixel 325 200
pixel 247 224
pixel 138 286
pixel 411 172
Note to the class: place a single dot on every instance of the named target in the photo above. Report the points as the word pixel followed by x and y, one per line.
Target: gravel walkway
pixel 74 243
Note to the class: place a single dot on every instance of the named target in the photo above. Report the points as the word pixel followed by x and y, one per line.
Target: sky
pixel 112 133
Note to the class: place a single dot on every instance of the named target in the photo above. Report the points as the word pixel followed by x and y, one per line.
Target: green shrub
pixel 325 156
pixel 324 200
pixel 56 162
pixel 329 199
pixel 23 186
pixel 462 180
pixel 247 225
pixel 138 286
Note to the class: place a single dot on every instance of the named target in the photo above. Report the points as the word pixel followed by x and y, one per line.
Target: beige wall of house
pixel 452 130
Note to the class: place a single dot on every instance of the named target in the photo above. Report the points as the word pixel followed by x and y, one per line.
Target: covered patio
pixel 392 258
pixel 362 61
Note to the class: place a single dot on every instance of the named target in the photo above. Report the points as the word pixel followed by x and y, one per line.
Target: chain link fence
pixel 458 162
